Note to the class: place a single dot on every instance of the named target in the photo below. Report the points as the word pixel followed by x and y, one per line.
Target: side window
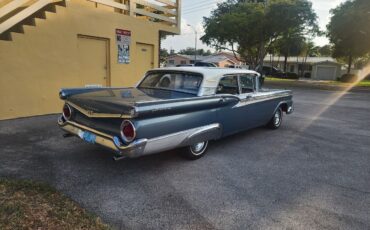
pixel 228 85
pixel 247 83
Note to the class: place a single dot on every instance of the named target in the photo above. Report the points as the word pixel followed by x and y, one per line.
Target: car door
pixel 236 117
pixel 249 103
pixel 228 84
pixel 256 102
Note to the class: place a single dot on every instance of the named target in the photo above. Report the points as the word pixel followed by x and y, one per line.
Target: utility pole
pixel 262 47
pixel 196 40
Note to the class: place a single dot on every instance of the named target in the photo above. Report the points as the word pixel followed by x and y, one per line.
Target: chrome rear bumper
pixel 141 147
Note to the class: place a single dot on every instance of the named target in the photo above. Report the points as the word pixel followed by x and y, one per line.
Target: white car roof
pixel 208 71
pixel 211 75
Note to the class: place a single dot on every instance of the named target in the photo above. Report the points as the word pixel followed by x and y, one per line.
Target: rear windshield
pixel 176 81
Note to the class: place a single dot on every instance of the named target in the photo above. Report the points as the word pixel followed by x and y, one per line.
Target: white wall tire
pixel 196 151
pixel 276 119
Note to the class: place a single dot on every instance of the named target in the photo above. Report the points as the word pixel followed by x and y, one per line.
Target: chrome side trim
pixel 89 113
pixel 204 129
pixel 260 98
pixel 141 147
pixel 179 139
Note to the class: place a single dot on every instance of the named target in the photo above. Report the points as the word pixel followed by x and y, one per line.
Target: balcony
pixel 165 12
pixel 14 14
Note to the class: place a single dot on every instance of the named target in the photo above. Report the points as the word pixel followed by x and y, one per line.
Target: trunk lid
pixel 119 102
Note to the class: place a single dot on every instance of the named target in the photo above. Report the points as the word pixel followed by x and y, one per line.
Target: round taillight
pixel 128 132
pixel 67 112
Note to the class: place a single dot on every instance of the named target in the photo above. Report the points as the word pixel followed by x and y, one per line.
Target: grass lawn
pixel 364 83
pixel 278 79
pixel 33 205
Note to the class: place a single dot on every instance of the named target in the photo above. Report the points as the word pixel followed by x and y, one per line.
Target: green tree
pixel 349 30
pixel 290 45
pixel 191 51
pixel 250 28
pixel 325 51
pixel 208 53
pixel 163 55
pixel 309 50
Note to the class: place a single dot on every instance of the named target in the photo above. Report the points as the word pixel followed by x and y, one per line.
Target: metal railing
pixel 161 11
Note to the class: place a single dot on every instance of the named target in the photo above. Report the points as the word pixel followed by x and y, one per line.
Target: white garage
pixel 327 70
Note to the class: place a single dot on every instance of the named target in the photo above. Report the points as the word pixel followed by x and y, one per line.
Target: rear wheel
pixel 195 151
pixel 276 119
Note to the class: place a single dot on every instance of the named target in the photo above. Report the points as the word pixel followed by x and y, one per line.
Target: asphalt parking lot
pixel 313 173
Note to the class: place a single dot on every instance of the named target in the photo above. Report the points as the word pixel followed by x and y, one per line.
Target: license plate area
pixel 87 136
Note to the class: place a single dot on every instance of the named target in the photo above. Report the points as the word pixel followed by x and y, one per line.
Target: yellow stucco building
pixel 46 45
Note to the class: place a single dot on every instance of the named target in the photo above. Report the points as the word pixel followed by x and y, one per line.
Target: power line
pixel 187 34
pixel 197 10
pixel 200 5
pixel 196 3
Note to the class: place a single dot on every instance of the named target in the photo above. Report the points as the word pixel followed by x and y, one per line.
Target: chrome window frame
pixel 229 75
pixel 176 72
pixel 255 83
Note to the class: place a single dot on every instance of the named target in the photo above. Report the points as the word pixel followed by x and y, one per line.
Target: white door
pixel 326 73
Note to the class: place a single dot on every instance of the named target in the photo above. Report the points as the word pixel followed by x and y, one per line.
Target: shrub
pixel 367 77
pixel 349 78
pixel 307 75
pixel 290 75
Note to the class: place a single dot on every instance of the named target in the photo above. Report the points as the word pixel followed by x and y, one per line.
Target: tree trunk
pixel 285 63
pixel 304 63
pixel 261 56
pixel 271 63
pixel 297 65
pixel 350 59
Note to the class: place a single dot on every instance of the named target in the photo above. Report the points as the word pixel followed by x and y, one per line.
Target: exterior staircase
pixel 14 14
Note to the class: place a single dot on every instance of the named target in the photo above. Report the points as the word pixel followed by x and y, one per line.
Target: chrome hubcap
pixel 277 118
pixel 198 147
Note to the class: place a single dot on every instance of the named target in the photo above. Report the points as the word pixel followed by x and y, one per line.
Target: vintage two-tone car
pixel 173 108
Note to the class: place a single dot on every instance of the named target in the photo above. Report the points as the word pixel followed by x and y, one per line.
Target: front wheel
pixel 195 151
pixel 276 119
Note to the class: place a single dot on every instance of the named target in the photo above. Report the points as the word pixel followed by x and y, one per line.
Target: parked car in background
pixel 269 71
pixel 198 64
pixel 234 67
pixel 170 108
pixel 205 64
pixel 184 65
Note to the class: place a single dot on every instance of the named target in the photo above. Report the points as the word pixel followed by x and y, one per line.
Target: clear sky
pixel 193 12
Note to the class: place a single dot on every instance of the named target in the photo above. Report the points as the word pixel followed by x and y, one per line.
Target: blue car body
pixel 166 119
